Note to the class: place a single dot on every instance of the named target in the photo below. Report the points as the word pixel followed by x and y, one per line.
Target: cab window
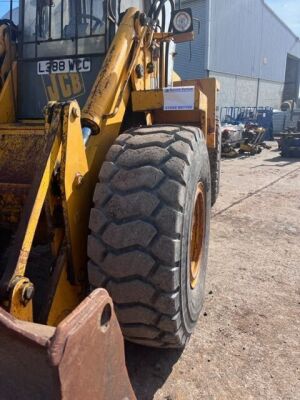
pixel 77 25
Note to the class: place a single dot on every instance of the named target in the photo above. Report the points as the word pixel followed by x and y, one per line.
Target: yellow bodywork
pixel 34 157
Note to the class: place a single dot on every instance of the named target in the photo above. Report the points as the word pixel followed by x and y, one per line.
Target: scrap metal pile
pixel 242 139
pixel 244 130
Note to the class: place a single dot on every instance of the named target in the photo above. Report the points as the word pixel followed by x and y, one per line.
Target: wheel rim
pixel 197 235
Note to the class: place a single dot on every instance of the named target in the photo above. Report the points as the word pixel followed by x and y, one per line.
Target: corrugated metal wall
pixel 245 45
pixel 247 39
pixel 192 64
pixel 238 37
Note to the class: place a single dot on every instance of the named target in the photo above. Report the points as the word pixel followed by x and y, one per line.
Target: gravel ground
pixel 247 342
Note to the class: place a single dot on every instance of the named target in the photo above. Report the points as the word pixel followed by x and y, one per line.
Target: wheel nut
pixel 139 70
pixel 28 292
pixel 75 112
pixel 150 67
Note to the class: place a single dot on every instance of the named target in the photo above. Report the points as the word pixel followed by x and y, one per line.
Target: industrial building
pixel 247 47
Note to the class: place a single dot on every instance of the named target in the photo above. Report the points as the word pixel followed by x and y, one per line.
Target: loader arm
pixel 63 151
pixel 7 49
pixel 8 69
pixel 56 188
pixel 89 335
pixel 48 180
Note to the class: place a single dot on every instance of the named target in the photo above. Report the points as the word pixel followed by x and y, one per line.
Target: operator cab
pixel 62 44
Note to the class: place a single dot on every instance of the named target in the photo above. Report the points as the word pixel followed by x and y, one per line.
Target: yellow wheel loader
pixel 105 193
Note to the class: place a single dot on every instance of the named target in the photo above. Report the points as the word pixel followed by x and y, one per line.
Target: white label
pixel 63 66
pixel 179 98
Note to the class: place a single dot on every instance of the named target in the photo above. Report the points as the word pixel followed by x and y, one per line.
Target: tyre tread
pixel 146 294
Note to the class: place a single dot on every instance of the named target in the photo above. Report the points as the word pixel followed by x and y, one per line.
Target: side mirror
pixel 182 24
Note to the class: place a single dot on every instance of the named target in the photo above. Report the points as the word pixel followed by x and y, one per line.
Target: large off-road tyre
pixel 215 165
pixel 150 230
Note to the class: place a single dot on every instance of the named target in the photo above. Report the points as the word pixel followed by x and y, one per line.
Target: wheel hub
pixel 197 235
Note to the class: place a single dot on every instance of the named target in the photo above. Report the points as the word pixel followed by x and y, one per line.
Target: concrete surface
pixel 247 342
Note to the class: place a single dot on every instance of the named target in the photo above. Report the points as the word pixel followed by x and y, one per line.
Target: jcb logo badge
pixel 63 86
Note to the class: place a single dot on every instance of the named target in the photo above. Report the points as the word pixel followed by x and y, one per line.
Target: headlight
pixel 182 21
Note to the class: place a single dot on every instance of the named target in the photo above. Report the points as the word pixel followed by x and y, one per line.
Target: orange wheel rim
pixel 197 235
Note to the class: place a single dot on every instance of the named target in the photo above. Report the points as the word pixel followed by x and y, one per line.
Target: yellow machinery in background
pixel 103 185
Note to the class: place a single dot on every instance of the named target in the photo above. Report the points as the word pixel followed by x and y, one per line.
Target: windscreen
pixel 9 9
pixel 77 25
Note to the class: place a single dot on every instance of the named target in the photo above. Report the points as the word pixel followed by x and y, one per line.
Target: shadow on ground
pixel 149 368
pixel 287 160
pixel 279 161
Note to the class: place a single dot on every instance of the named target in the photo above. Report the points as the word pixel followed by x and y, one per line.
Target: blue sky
pixel 4 6
pixel 287 10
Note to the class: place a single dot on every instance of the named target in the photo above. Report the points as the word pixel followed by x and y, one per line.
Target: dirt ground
pixel 247 342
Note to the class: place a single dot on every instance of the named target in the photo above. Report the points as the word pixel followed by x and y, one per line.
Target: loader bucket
pixel 21 157
pixel 21 154
pixel 83 358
